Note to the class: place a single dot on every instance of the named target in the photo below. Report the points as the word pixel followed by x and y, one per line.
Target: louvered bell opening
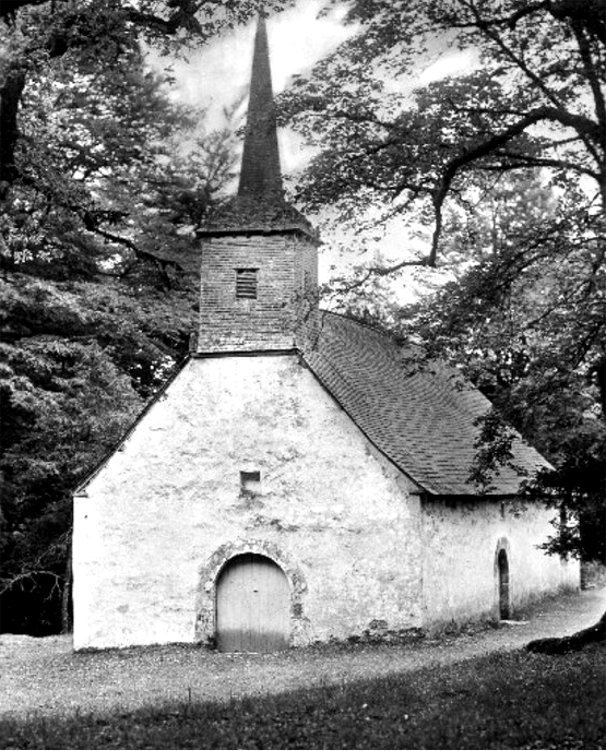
pixel 246 284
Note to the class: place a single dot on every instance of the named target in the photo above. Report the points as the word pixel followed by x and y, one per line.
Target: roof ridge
pixel 402 347
pixel 365 324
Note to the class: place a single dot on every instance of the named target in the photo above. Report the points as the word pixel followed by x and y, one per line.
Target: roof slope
pixel 420 415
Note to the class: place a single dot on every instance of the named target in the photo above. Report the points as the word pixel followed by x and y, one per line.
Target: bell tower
pixel 259 270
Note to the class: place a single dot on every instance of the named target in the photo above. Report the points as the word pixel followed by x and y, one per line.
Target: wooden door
pixel 253 606
pixel 503 565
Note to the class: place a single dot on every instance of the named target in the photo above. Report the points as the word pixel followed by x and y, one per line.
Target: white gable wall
pixel 162 516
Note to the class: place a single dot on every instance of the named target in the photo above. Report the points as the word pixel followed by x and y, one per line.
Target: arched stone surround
pixel 205 628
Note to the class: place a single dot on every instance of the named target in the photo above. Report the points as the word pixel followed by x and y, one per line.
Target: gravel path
pixel 44 675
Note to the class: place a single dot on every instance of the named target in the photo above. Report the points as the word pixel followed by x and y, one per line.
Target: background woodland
pixel 501 170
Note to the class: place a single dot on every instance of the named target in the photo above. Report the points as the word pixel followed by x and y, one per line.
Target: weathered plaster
pixel 358 547
pixel 461 541
pixel 336 514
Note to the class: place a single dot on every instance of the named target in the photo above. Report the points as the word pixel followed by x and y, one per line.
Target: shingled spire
pixel 260 177
pixel 259 205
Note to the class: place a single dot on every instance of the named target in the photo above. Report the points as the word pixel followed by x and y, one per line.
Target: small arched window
pixel 503 574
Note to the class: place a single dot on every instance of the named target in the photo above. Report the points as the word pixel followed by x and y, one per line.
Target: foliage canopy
pixel 503 160
pixel 98 297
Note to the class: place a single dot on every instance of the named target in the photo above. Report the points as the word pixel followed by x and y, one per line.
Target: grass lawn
pixel 507 700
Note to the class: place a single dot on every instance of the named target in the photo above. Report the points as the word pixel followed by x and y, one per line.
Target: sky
pixel 218 76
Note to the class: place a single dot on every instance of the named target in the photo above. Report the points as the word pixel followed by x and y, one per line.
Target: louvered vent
pixel 246 284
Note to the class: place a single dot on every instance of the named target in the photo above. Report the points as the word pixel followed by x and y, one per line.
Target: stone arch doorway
pixel 252 605
pixel 503 574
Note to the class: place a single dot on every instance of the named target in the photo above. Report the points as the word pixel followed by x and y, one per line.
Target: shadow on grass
pixel 505 700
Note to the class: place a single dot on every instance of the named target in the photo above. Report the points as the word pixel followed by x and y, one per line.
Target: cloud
pixel 217 76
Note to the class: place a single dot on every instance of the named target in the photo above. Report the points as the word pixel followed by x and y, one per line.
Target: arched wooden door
pixel 503 567
pixel 253 605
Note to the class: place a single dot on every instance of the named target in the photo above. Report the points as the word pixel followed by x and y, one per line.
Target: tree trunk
pixel 574 643
pixel 66 620
pixel 10 97
pixel 601 375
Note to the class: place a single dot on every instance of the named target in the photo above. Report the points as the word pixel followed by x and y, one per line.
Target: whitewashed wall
pixel 155 525
pixel 461 541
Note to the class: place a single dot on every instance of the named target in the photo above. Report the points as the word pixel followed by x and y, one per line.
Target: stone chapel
pixel 302 477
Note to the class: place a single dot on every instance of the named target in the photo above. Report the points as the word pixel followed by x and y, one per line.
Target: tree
pixel 522 107
pixel 506 165
pixel 415 153
pixel 517 321
pixel 425 150
pixel 98 300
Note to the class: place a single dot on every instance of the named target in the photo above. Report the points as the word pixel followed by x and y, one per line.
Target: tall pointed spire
pixel 260 176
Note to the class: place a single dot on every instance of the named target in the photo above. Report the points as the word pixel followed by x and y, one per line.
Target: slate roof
pixel 419 414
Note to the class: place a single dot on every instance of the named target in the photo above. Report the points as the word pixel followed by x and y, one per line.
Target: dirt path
pixel 45 676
